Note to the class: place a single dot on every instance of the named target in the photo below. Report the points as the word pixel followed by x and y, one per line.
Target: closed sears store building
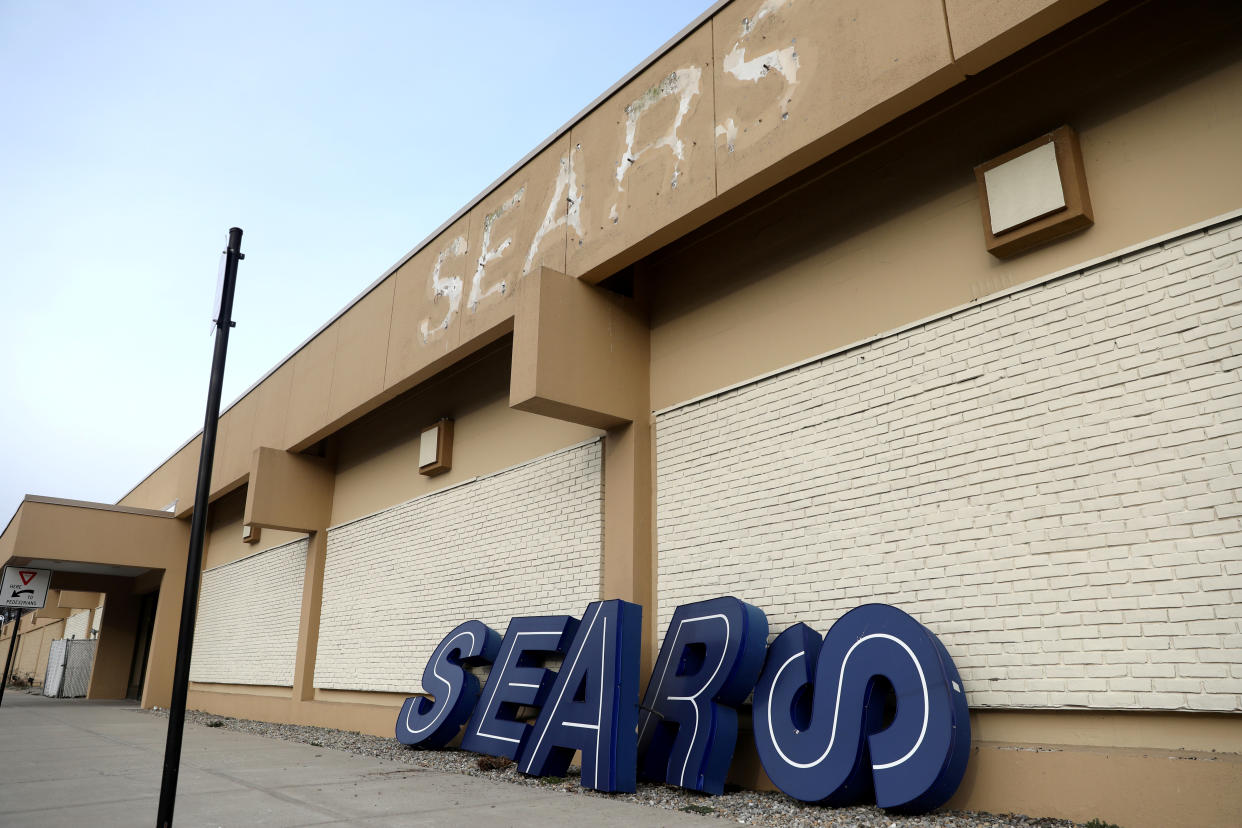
pixel 937 305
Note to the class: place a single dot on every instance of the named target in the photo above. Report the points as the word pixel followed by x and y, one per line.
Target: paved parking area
pixel 70 762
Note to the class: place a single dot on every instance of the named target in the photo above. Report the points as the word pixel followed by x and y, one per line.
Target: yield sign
pixel 25 588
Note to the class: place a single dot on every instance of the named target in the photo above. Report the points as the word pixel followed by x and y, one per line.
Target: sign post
pixel 8 661
pixel 223 319
pixel 24 588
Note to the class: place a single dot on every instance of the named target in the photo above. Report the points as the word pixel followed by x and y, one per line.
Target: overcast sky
pixel 336 135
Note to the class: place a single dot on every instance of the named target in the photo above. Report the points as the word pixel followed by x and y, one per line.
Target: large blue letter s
pixel 819 713
pixel 434 724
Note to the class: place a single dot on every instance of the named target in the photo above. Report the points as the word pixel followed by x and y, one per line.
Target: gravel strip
pixel 765 808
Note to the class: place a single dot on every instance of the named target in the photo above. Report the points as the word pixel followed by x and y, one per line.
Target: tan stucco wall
pixel 688 136
pixel 224 532
pixel 34 643
pixel 819 270
pixel 832 258
pixel 114 654
pixel 377 458
pixel 74 531
pixel 375 464
pixel 1139 770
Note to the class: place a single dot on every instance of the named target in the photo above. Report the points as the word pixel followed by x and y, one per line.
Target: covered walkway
pixel 135 558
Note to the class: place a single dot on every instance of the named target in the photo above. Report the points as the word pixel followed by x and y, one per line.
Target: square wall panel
pixel 1034 194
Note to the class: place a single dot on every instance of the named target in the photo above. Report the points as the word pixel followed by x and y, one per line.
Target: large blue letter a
pixel 593 706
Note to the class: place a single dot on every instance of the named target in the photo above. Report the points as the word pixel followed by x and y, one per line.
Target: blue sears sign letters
pixel 875 708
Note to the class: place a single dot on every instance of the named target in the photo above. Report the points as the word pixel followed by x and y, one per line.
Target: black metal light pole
pixel 198 526
pixel 8 662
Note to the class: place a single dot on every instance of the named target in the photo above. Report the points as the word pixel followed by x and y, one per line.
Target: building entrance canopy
pixel 124 553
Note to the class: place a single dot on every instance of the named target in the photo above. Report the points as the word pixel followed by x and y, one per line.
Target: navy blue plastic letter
pixel 593 706
pixel 711 656
pixel 517 679
pixel 819 713
pixel 434 724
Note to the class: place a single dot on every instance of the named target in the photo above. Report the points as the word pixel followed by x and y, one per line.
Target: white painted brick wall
pixel 1049 481
pixel 78 625
pixel 248 612
pixel 525 541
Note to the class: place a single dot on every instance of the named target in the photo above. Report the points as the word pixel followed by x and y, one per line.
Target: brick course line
pixel 248 612
pixel 526 541
pixel 1049 480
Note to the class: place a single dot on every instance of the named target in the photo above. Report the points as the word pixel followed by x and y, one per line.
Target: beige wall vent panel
pixel 1047 481
pixel 248 612
pixel 525 541
pixel 791 75
pixel 645 160
pixel 1024 189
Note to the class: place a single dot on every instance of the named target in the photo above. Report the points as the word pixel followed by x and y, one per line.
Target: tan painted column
pixel 165 632
pixel 308 624
pixel 583 354
pixel 115 650
pixel 293 492
pixel 157 689
pixel 629 565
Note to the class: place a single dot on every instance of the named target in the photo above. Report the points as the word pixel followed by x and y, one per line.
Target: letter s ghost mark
pixel 434 724
pixel 819 713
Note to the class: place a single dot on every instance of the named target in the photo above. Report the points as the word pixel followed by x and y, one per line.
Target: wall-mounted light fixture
pixel 435 448
pixel 251 534
pixel 1034 194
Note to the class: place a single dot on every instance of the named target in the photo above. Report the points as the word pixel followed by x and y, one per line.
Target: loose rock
pixel 742 807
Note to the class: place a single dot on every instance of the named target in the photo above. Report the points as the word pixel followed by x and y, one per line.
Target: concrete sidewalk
pixel 72 762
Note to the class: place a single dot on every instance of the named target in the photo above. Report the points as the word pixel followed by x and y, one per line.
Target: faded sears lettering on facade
pixel 645 156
